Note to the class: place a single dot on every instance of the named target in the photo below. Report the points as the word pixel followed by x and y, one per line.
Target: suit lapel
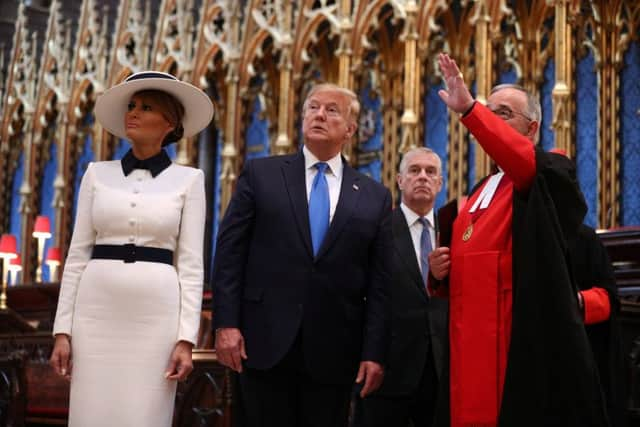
pixel 295 181
pixel 404 245
pixel 348 200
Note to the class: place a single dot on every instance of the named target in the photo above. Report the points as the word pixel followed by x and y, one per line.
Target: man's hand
pixel 180 364
pixel 456 96
pixel 230 348
pixel 439 262
pixel 61 356
pixel 372 374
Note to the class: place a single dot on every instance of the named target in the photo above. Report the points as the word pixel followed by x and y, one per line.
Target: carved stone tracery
pixel 272 51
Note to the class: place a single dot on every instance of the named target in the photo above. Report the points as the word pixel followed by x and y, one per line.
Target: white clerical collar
pixel 489 190
pixel 412 217
pixel 335 163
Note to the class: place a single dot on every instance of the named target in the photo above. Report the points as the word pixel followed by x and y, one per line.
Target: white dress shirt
pixel 415 228
pixel 333 175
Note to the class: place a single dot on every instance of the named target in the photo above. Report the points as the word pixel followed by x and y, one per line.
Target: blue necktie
pixel 425 248
pixel 319 207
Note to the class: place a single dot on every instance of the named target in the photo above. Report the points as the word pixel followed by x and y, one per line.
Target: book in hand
pixel 444 222
pixel 444 230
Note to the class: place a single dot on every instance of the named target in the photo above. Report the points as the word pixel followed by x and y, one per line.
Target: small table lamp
pixel 41 231
pixel 8 250
pixel 15 267
pixel 53 261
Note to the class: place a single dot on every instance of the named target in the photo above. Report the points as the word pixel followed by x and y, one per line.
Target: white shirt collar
pixel 412 217
pixel 335 163
pixel 487 193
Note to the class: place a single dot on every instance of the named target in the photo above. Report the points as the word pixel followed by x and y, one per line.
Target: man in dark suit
pixel 301 274
pixel 419 320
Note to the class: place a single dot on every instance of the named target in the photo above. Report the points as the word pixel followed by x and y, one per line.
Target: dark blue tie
pixel 425 248
pixel 319 207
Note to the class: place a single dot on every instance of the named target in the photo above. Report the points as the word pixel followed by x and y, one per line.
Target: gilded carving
pixel 272 51
pixel 459 38
pixel 609 38
pixel 12 113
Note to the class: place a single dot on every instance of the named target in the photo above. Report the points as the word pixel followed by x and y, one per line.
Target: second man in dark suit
pixel 419 321
pixel 301 274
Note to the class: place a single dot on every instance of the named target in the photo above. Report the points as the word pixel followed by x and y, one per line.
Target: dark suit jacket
pixel 417 320
pixel 267 282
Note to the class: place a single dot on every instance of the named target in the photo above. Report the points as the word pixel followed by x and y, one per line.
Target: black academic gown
pixel 591 267
pixel 551 377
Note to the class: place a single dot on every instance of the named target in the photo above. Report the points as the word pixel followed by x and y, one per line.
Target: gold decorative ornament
pixel 467 233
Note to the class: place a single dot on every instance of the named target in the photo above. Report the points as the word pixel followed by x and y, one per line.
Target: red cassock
pixel 480 282
pixel 480 279
pixel 480 310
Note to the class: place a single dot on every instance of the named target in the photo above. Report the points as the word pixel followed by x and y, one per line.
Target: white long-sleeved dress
pixel 124 319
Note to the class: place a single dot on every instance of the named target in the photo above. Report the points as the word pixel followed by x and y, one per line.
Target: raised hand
pixel 457 95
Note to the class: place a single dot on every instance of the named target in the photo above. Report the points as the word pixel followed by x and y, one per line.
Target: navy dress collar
pixel 154 164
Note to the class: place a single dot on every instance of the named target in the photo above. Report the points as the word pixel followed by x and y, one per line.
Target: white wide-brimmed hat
pixel 111 106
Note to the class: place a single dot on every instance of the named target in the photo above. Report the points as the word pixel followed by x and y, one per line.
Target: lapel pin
pixel 355 187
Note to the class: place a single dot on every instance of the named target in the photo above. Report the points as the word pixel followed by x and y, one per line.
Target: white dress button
pixel 133 204
pixel 132 221
pixel 132 238
pixel 136 191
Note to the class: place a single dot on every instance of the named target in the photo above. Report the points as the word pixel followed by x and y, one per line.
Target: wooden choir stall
pixel 31 394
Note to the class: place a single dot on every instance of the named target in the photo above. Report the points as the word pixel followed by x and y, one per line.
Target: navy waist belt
pixel 132 253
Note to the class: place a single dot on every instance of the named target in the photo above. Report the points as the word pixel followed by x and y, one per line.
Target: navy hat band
pixel 150 75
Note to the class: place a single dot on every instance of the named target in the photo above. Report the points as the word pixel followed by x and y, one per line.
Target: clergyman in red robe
pixel 519 355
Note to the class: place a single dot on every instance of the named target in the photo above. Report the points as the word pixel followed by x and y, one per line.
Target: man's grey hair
pixel 534 111
pixel 354 104
pixel 402 170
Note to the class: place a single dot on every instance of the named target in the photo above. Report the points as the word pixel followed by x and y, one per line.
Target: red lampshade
pixel 42 227
pixel 16 263
pixel 53 256
pixel 8 246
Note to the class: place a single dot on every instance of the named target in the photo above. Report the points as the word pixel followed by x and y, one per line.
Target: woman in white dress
pixel 131 291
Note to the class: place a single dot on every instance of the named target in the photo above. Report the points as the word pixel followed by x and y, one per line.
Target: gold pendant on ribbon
pixel 467 233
